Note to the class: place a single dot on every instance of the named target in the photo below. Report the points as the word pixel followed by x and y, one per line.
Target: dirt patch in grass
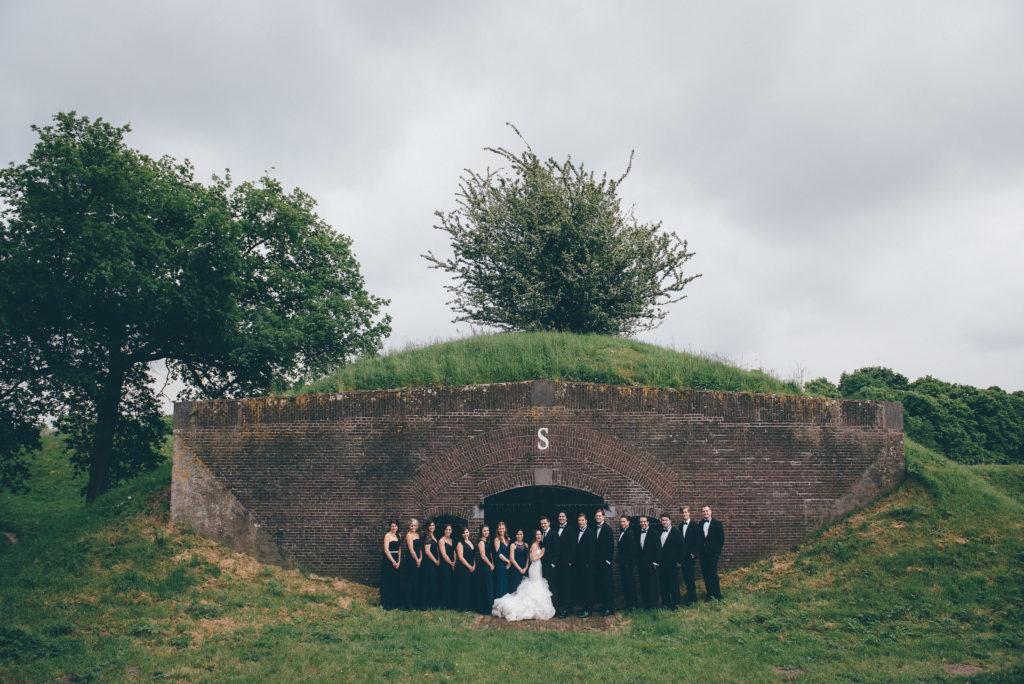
pixel 962 669
pixel 595 623
pixel 11 537
pixel 787 674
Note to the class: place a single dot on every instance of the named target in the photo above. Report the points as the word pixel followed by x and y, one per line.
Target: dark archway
pixel 524 506
pixel 455 521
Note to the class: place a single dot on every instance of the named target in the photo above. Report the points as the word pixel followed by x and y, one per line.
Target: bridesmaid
pixel 410 568
pixel 484 575
pixel 428 571
pixel 501 561
pixel 464 573
pixel 389 562
pixel 520 561
pixel 446 549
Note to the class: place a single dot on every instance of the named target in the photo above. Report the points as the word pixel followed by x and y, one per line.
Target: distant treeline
pixel 967 424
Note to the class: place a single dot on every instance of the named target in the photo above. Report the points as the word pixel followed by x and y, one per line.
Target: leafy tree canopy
pixel 546 245
pixel 968 424
pixel 110 260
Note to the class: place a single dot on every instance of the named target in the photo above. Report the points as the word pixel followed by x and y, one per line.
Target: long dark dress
pixel 464 578
pixel 428 576
pixel 446 577
pixel 390 592
pixel 411 576
pixel 500 571
pixel 483 592
pixel 521 555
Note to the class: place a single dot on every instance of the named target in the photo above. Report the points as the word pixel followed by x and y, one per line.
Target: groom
pixel 549 566
pixel 562 588
pixel 583 566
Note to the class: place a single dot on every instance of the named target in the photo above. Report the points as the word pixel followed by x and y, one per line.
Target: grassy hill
pixel 918 586
pixel 512 357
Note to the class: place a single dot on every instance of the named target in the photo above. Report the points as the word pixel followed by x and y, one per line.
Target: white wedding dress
pixel 531 601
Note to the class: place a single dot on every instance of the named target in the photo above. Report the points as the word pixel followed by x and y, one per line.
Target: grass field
pixel 923 583
pixel 511 357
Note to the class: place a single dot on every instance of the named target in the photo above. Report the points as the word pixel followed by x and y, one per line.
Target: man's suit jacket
pixel 693 540
pixel 550 545
pixel 715 539
pixel 564 544
pixel 604 545
pixel 583 549
pixel 648 553
pixel 669 551
pixel 628 547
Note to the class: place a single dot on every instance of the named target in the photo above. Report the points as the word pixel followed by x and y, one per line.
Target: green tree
pixel 822 387
pixel 546 245
pixel 111 260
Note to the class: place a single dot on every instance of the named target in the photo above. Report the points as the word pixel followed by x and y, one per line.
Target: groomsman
pixel 563 572
pixel 628 551
pixel 604 554
pixel 549 566
pixel 713 539
pixel 583 566
pixel 689 532
pixel 670 547
pixel 647 562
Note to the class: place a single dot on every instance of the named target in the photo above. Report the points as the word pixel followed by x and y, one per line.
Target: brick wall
pixel 312 480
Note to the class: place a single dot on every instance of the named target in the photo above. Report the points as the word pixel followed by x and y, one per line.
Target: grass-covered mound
pixel 514 357
pixel 923 583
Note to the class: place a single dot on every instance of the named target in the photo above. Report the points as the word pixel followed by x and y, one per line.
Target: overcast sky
pixel 850 175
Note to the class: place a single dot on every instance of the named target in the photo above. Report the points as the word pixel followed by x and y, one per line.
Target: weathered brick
pixel 312 480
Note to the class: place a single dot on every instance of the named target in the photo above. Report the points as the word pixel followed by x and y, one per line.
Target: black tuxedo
pixel 604 554
pixel 711 549
pixel 647 556
pixel 549 563
pixel 692 542
pixel 628 554
pixel 583 567
pixel 562 588
pixel 668 570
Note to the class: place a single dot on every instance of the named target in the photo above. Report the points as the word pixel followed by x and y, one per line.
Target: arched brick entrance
pixel 548 452
pixel 312 480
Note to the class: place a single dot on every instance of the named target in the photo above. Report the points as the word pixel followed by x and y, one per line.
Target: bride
pixel 532 600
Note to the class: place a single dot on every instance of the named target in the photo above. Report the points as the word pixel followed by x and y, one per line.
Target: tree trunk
pixel 103 443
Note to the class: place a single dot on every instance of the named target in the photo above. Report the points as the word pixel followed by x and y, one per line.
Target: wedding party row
pixel 554 570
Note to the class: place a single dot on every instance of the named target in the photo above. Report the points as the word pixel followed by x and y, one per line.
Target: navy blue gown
pixel 411 576
pixel 483 595
pixel 500 571
pixel 390 591
pixel 464 578
pixel 446 576
pixel 428 576
pixel 521 555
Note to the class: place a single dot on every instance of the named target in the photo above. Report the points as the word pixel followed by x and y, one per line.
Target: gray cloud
pixel 848 175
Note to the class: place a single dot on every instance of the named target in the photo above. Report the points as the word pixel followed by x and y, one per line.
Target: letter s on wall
pixel 542 438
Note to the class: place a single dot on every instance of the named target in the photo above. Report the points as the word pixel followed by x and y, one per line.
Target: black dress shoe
pixel 561 615
pixel 583 614
pixel 606 612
